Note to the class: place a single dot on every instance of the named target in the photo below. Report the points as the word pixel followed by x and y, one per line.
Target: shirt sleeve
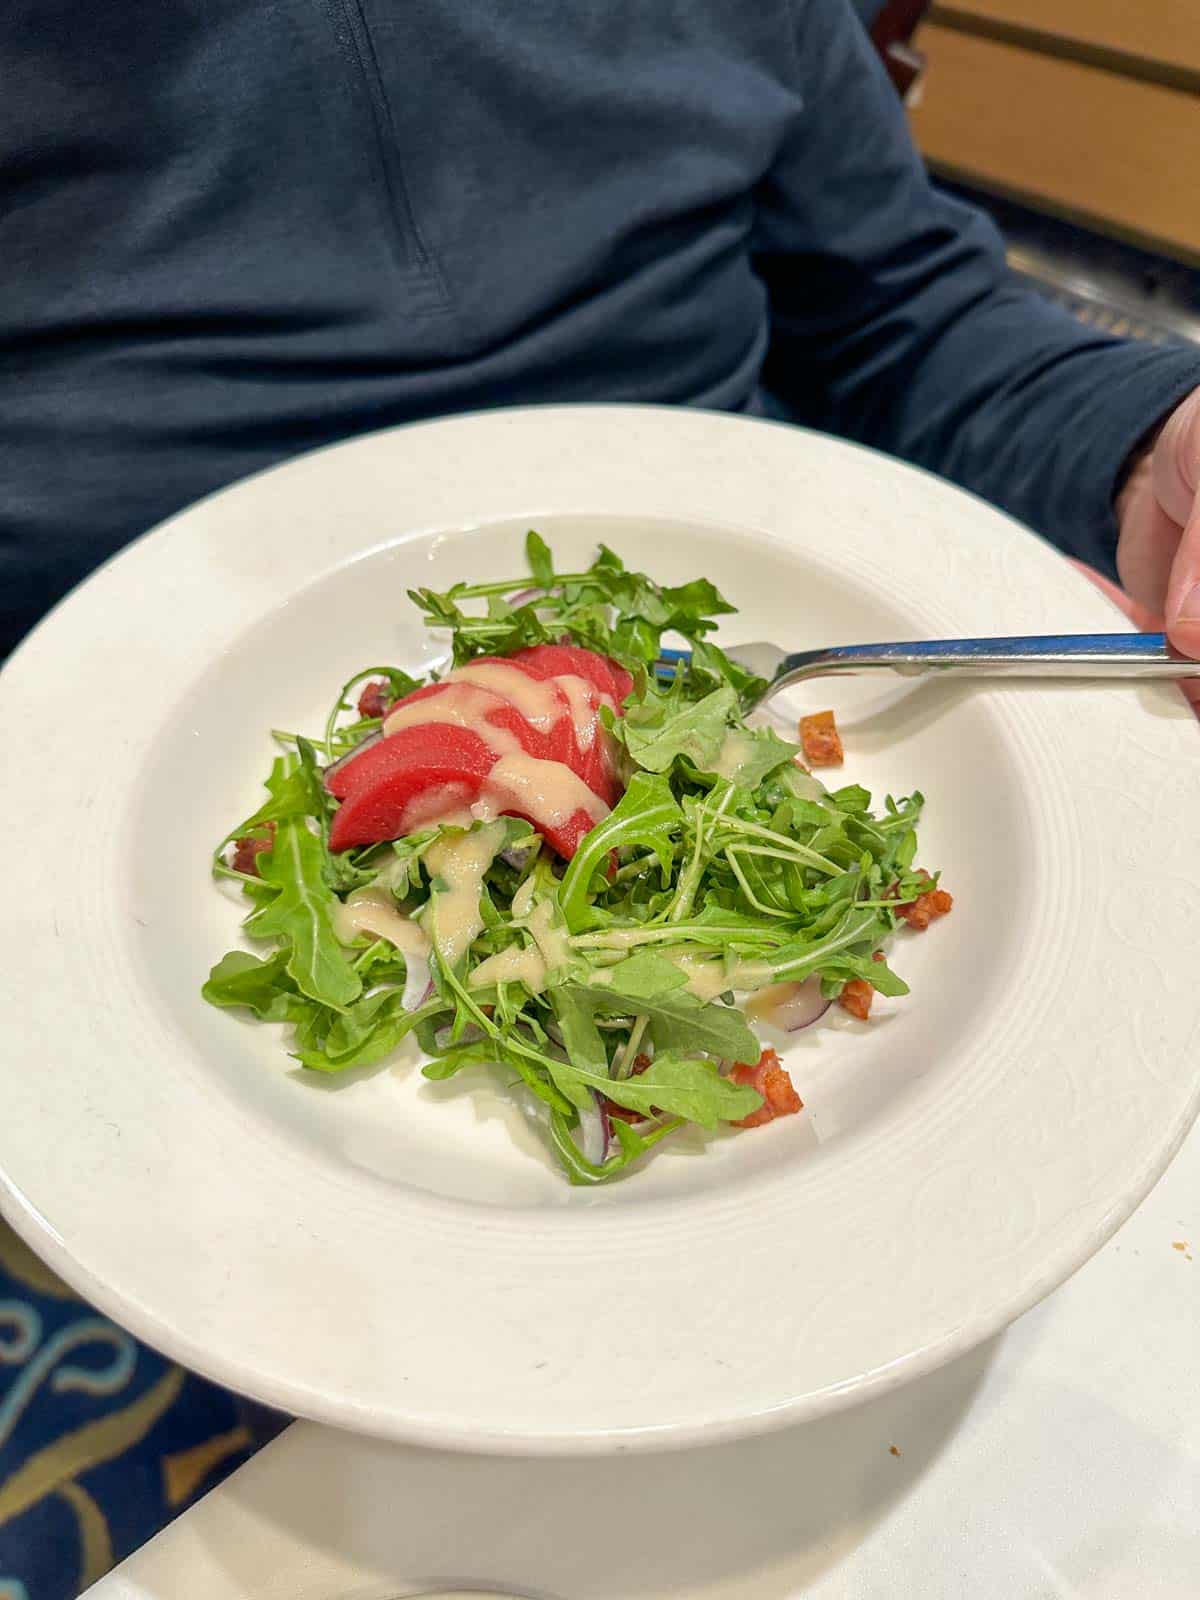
pixel 895 320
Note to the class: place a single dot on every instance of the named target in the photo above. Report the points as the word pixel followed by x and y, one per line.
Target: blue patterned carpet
pixel 102 1441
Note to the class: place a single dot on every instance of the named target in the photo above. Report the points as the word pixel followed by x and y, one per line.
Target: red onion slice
pixel 790 1006
pixel 469 1035
pixel 518 856
pixel 593 1133
pixel 418 984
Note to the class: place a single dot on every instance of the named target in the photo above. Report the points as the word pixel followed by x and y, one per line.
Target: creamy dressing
pixel 446 803
pixel 459 704
pixel 709 976
pixel 623 938
pixel 583 700
pixel 522 903
pixel 460 863
pixel 537 699
pixel 750 974
pixel 547 792
pixel 514 965
pixel 736 750
pixel 706 976
pixel 371 911
pixel 766 1005
pixel 552 941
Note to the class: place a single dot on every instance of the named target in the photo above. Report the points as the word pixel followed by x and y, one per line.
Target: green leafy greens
pixel 606 984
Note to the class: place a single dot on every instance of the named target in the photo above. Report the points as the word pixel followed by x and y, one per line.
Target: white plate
pixel 395 1256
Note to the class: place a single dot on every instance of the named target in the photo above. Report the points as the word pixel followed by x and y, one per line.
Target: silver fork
pixel 1056 655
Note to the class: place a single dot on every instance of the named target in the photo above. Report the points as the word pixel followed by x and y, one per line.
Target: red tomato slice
pixel 377 787
pixel 501 713
pixel 566 839
pixel 406 778
pixel 557 660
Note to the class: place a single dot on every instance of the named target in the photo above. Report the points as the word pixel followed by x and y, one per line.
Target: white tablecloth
pixel 1062 1459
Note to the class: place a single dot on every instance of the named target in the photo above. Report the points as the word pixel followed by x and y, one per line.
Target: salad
pixel 562 860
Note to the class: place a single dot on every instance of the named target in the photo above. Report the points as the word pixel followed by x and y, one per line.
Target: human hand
pixel 1158 512
pixel 1158 549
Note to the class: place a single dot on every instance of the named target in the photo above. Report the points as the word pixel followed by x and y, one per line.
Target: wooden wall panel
pixel 1157 37
pixel 1115 152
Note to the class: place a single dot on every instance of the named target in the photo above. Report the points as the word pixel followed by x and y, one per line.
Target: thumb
pixel 1142 618
pixel 1183 590
pixel 1176 471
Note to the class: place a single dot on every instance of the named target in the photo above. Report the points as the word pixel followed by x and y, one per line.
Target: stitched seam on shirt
pixel 356 42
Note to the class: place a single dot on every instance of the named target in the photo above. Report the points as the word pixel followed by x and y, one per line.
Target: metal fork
pixel 1057 655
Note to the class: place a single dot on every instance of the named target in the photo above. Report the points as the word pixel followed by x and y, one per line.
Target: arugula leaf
pixel 759 752
pixel 301 913
pixel 367 1032
pixel 647 815
pixel 800 958
pixel 493 1053
pixel 541 564
pixel 676 1018
pixel 680 1086
pixel 292 792
pixel 658 729
pixel 690 605
pixel 338 740
pixel 676 1086
pixel 709 660
pixel 583 1044
pixel 645 976
pixel 631 1145
pixel 262 986
pixel 853 797
pixel 450 1062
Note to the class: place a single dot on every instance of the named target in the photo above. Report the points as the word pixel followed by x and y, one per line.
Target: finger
pixel 1175 462
pixel 1148 547
pixel 1183 588
pixel 1176 475
pixel 1144 620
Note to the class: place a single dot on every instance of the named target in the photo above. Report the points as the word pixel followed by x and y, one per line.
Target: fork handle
pixel 1060 655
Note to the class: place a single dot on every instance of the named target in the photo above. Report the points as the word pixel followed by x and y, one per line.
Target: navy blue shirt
pixel 232 230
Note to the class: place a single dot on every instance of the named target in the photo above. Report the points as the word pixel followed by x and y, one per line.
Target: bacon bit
pixel 247 850
pixel 770 1078
pixel 610 1109
pixel 821 741
pixel 878 956
pixel 919 913
pixel 374 698
pixel 856 997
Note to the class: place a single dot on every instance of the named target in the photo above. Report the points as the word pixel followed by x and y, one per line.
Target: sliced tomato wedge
pixel 500 712
pixel 378 787
pixel 425 769
pixel 558 660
